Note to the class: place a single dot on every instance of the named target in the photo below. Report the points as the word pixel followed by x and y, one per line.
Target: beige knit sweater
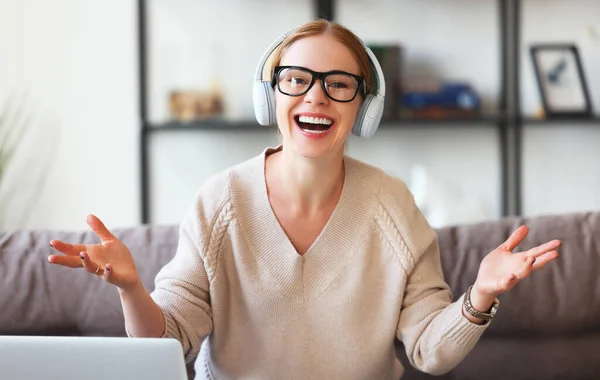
pixel 241 299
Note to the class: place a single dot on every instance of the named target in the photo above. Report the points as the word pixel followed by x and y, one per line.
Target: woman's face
pixel 313 125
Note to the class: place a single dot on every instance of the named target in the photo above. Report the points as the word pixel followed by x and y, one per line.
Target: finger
pixel 67 261
pixel 543 248
pixel 89 265
pixel 544 259
pixel 526 269
pixel 109 273
pixel 506 283
pixel 515 238
pixel 66 248
pixel 99 228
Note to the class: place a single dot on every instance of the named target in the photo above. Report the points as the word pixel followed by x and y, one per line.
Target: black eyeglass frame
pixel 318 75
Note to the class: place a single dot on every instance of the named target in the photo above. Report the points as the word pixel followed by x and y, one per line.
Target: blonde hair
pixel 339 32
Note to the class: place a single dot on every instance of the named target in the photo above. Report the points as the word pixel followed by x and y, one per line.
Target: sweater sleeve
pixel 435 333
pixel 182 287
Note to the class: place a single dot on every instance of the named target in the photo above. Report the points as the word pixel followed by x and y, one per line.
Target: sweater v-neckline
pixel 306 276
pixel 282 232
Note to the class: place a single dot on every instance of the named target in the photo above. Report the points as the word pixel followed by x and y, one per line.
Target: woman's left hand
pixel 502 269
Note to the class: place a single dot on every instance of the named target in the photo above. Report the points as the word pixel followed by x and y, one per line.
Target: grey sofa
pixel 546 328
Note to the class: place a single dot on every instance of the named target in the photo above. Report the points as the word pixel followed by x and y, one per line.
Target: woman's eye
pixel 298 81
pixel 338 85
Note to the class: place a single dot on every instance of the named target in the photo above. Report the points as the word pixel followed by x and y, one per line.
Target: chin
pixel 310 151
pixel 315 148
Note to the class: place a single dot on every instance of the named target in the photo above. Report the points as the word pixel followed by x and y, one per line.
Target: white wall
pixel 79 59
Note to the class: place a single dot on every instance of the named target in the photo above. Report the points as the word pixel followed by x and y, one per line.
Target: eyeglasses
pixel 337 85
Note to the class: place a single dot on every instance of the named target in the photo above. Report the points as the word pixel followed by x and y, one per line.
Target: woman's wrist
pixel 132 290
pixel 481 301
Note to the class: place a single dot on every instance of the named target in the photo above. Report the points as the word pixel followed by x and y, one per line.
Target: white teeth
pixel 314 131
pixel 315 120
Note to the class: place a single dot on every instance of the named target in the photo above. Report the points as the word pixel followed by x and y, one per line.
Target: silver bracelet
pixel 476 313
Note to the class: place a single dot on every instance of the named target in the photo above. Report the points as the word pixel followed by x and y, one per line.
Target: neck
pixel 308 184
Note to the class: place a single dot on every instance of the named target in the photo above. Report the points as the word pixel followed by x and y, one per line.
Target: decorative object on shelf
pixel 561 80
pixel 390 59
pixel 440 100
pixel 192 105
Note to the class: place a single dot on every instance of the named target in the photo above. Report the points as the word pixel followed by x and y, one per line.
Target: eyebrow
pixel 323 72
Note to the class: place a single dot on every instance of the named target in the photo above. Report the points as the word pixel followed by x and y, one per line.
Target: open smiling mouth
pixel 313 124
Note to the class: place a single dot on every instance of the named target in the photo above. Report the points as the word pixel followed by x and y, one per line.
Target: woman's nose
pixel 316 95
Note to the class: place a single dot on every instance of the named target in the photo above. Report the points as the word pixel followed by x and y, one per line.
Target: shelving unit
pixel 508 123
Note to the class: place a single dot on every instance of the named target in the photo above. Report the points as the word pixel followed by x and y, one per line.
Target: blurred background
pixel 124 108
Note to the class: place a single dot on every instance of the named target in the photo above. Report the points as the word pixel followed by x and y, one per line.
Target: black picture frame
pixel 561 81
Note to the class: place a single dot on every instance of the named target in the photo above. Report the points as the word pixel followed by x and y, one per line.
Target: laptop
pixel 90 358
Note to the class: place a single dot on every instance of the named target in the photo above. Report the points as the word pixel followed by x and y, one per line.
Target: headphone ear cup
pixel 369 116
pixel 373 116
pixel 263 99
pixel 270 103
pixel 360 116
pixel 259 101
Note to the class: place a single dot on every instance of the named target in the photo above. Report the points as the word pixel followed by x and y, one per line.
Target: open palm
pixel 502 269
pixel 109 259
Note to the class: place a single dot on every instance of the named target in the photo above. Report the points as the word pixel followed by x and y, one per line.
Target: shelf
pixel 213 125
pixel 561 121
pixel 205 125
pixel 475 121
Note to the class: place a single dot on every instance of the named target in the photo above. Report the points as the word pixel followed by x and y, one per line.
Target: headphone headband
pixel 263 61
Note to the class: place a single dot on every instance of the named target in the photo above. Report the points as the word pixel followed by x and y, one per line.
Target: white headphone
pixel 369 114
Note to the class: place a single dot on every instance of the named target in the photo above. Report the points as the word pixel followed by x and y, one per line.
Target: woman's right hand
pixel 110 259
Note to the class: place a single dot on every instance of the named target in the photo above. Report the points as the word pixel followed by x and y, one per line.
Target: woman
pixel 302 262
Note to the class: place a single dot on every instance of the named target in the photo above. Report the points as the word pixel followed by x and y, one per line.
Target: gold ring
pixel 97 270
